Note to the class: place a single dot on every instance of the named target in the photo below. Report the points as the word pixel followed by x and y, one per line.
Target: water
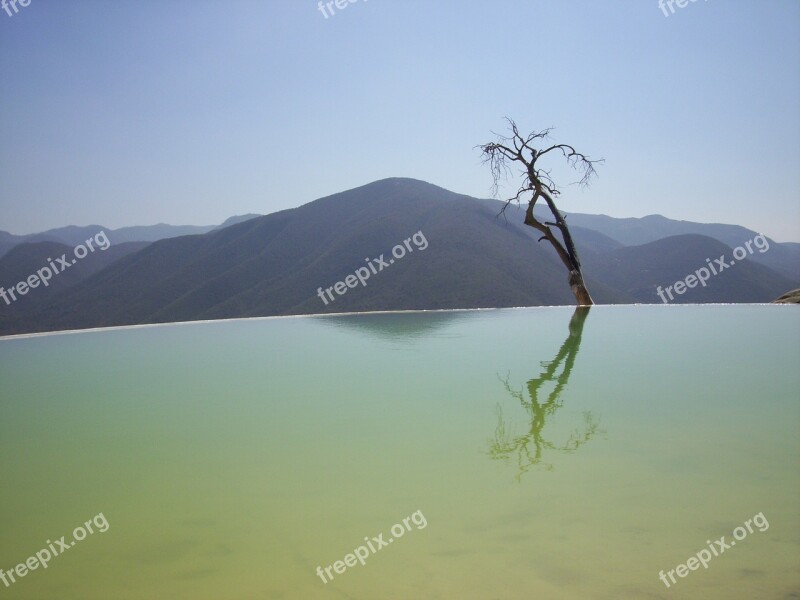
pixel 552 455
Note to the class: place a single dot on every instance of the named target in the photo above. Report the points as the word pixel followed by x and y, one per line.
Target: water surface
pixel 553 454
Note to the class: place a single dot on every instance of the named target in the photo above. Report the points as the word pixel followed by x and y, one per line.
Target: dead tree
pixel 527 152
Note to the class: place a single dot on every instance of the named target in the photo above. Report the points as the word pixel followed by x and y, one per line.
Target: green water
pixel 553 455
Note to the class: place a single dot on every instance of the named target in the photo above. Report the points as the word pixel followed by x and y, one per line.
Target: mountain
pixel 236 220
pixel 274 265
pixel 639 270
pixel 25 260
pixel 783 258
pixel 459 253
pixel 72 235
pixel 9 240
pixel 153 233
pixel 638 231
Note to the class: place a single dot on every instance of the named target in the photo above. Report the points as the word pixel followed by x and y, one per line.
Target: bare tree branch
pixel 537 181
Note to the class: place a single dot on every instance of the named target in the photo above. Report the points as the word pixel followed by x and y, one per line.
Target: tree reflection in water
pixel 529 447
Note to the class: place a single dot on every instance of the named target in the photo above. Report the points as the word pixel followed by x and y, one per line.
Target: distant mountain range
pixel 783 258
pixel 276 264
pixel 72 236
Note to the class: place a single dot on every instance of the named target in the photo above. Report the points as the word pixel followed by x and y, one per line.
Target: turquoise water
pixel 552 454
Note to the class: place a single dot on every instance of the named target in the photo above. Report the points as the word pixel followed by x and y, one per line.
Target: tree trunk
pixel 579 290
pixel 566 252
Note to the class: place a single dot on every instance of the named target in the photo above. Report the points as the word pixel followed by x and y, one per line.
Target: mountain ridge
pixel 275 264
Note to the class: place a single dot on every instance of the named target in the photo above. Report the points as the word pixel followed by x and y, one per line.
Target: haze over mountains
pixel 274 264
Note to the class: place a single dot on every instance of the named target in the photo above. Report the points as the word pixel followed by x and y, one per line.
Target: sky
pixel 138 112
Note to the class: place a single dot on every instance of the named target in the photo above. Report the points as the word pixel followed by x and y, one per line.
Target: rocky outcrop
pixel 792 297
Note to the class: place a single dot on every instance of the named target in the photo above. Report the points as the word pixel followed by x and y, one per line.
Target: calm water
pixel 553 455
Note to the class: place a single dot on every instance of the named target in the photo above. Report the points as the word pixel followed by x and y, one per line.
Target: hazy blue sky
pixel 189 111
